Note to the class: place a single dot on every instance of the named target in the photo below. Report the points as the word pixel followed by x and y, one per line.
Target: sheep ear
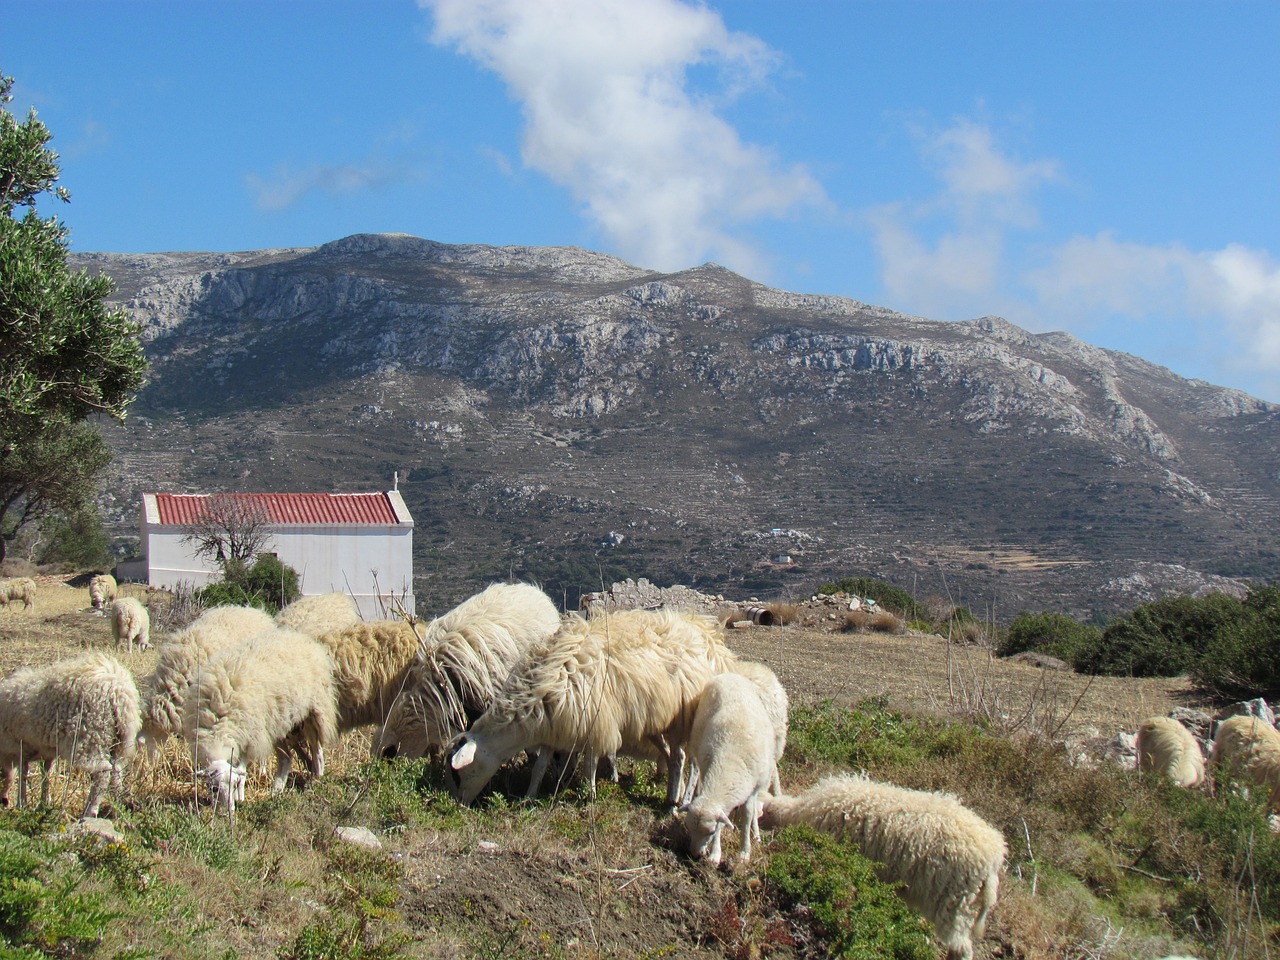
pixel 463 755
pixel 683 808
pixel 724 818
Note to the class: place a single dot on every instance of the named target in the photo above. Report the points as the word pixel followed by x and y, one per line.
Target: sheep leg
pixel 749 814
pixel 540 765
pixel 675 773
pixel 44 782
pixel 691 784
pixel 317 767
pixel 284 763
pixel 97 787
pixel 593 761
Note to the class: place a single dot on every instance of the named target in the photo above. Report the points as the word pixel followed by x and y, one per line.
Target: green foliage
pixel 885 594
pixel 1242 659
pixel 268 584
pixel 1053 633
pixel 360 921
pixel 1163 638
pixel 77 540
pixel 855 913
pixel 42 912
pixel 64 356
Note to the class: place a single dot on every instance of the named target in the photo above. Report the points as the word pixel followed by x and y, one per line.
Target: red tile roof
pixel 182 509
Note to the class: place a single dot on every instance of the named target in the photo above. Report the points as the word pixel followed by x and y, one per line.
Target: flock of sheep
pixel 1247 747
pixel 504 673
pixel 500 674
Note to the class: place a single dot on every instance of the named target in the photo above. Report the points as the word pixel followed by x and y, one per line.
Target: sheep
pixel 947 858
pixel 371 661
pixel 102 590
pixel 84 709
pixel 256 700
pixel 1251 748
pixel 18 588
pixel 464 658
pixel 319 614
pixel 1166 746
pixel 130 621
pixel 734 746
pixel 179 659
pixel 598 686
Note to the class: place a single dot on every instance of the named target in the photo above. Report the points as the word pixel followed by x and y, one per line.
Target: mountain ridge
pixel 519 391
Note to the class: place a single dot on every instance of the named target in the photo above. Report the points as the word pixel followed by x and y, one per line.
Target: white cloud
pixel 611 116
pixel 287 186
pixel 969 250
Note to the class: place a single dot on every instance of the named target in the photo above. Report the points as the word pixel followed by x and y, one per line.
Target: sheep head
pixel 226 784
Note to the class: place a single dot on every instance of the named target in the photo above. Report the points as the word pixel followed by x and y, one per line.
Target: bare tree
pixel 230 528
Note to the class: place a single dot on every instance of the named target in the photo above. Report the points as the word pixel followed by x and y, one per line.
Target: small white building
pixel 360 544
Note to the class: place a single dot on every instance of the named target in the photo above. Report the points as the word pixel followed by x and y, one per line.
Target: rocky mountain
pixel 559 414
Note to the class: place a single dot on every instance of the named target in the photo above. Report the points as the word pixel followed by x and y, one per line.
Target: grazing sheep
pixel 947 858
pixel 84 709
pixel 776 705
pixel 1166 746
pixel 319 614
pixel 102 590
pixel 129 622
pixel 18 588
pixel 598 687
pixel 253 702
pixel 1250 748
pixel 180 658
pixel 464 658
pixel 733 745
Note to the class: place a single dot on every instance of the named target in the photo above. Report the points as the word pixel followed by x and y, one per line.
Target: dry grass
pixel 923 672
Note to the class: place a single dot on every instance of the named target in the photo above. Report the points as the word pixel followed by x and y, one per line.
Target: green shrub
pixel 269 585
pixel 885 594
pixel 1243 657
pixel 41 911
pixel 1163 638
pixel 77 540
pixel 1053 633
pixel 836 888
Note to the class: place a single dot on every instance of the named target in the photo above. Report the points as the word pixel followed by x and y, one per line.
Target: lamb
pixel 734 747
pixel 18 588
pixel 598 687
pixel 1166 746
pixel 464 658
pixel 947 857
pixel 1251 748
pixel 319 614
pixel 84 709
pixel 181 657
pixel 256 700
pixel 130 621
pixel 102 590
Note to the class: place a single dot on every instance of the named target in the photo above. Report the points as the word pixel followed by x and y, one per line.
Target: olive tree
pixel 64 355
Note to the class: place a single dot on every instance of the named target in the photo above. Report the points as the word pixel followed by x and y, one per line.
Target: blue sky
pixel 1107 168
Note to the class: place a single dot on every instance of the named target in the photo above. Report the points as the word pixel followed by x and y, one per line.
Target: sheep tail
pixel 986 900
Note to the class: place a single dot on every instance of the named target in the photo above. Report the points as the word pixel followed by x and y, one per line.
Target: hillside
pixel 558 414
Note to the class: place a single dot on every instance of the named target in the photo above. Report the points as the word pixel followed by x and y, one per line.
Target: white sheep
pixel 598 687
pixel 179 659
pixel 733 745
pixel 1250 748
pixel 319 614
pixel 18 588
pixel 947 858
pixel 463 660
pixel 102 590
pixel 1166 746
pixel 84 709
pixel 272 692
pixel 129 622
